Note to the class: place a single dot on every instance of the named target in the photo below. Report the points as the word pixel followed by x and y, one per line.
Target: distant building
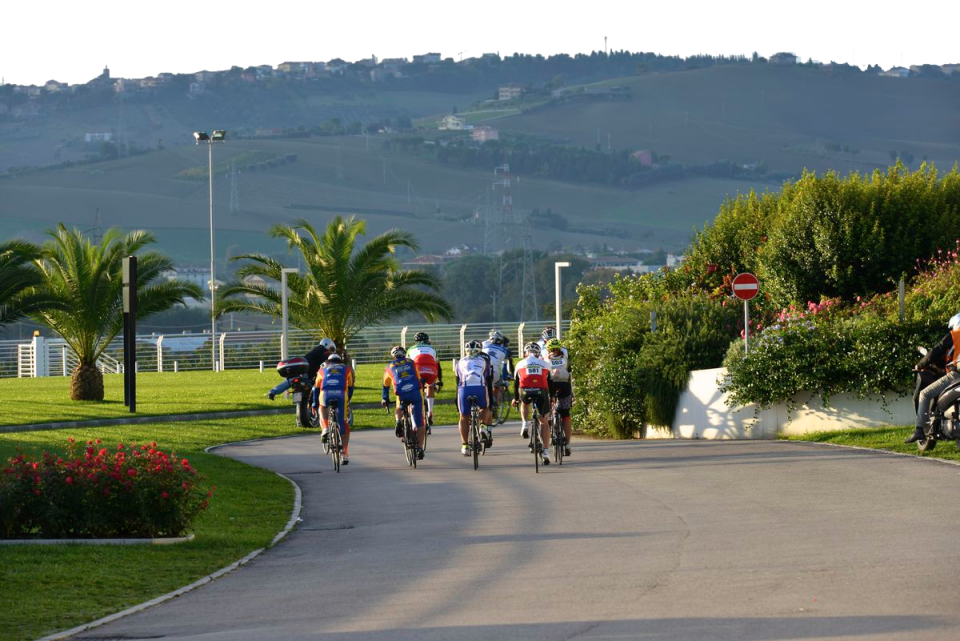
pixel 368 62
pixel 673 260
pixel 950 69
pixel 453 123
pixel 98 137
pixel 165 77
pixel 783 58
pixel 149 83
pixel 430 260
pixel 380 74
pixel 267 132
pixel 618 263
pixel 511 91
pixel 393 64
pixel 196 88
pixel 483 134
pixel 52 86
pixel 427 58
pixel 896 72
pixel 205 76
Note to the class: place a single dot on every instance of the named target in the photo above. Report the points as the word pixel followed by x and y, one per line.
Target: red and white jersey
pixel 533 373
pixel 425 357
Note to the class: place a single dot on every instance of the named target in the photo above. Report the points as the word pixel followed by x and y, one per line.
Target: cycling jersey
pixel 532 373
pixel 498 356
pixel 426 359
pixel 335 383
pixel 559 366
pixel 403 376
pixel 472 371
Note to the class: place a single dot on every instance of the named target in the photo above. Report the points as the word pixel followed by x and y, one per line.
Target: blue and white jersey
pixel 498 356
pixel 472 371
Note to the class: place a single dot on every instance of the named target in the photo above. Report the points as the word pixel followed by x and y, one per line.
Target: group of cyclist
pixel 415 376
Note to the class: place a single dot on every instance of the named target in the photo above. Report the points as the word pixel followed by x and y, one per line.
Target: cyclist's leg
pixel 416 411
pixel 544 407
pixel 524 416
pixel 463 406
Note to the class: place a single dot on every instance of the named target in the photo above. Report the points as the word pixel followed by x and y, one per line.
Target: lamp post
pixel 218 135
pixel 284 339
pixel 556 269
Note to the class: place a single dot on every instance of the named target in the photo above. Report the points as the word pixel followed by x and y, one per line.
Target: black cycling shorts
pixel 563 391
pixel 538 396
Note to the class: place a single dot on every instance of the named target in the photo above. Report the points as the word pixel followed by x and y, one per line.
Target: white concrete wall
pixel 703 413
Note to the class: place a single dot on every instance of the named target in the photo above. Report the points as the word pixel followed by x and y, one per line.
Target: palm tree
pixel 19 278
pixel 345 288
pixel 87 280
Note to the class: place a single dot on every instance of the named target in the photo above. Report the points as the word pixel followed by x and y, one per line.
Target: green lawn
pixel 41 400
pixel 39 587
pixel 887 438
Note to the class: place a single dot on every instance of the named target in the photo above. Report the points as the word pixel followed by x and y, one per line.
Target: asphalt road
pixel 739 541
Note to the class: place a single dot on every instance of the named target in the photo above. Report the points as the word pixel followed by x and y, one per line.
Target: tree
pixel 86 281
pixel 19 278
pixel 345 288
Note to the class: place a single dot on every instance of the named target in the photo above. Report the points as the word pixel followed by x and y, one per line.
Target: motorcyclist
pixel 315 358
pixel 947 349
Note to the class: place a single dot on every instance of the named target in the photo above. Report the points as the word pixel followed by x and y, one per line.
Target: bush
pixel 860 355
pixel 627 376
pixel 132 491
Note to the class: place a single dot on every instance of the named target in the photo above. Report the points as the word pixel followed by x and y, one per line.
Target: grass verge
pixel 886 438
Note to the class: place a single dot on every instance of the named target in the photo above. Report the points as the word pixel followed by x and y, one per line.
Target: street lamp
pixel 284 339
pixel 556 269
pixel 219 135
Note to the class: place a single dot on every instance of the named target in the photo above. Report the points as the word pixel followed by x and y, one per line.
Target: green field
pixel 41 400
pixel 790 118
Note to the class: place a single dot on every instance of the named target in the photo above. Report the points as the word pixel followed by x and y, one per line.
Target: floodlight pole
pixel 556 268
pixel 213 272
pixel 285 338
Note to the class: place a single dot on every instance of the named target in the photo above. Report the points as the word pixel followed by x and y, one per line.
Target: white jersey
pixel 498 355
pixel 559 367
pixel 472 371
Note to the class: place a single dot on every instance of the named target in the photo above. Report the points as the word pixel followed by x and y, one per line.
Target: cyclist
pixel 508 362
pixel 548 332
pixel 561 385
pixel 494 347
pixel 431 374
pixel 335 382
pixel 531 384
pixel 402 375
pixel 474 378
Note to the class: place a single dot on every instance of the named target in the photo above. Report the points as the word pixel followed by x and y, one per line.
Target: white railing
pixel 250 350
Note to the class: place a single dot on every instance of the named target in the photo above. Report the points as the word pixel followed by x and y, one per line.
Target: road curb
pixel 874 450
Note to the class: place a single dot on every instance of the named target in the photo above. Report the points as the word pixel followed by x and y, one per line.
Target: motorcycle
pixel 296 371
pixel 944 423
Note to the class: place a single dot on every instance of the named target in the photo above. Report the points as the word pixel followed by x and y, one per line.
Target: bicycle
pixel 409 435
pixel 536 441
pixel 556 433
pixel 334 443
pixel 475 440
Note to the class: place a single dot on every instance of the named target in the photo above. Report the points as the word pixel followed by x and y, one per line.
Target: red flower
pixel 131 472
pixel 165 494
pixel 69 480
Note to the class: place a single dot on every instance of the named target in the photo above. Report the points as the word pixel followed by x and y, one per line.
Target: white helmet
pixel 954 323
pixel 328 344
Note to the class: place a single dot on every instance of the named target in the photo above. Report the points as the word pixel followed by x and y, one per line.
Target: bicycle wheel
pixel 336 444
pixel 504 410
pixel 556 433
pixel 475 440
pixel 409 442
pixel 326 445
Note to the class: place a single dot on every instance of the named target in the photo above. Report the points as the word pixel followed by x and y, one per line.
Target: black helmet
pixel 398 352
pixel 422 337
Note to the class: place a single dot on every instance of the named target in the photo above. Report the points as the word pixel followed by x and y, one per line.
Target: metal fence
pixel 246 350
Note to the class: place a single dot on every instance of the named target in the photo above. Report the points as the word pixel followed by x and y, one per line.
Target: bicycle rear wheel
pixel 503 411
pixel 336 442
pixel 326 444
pixel 409 442
pixel 475 441
pixel 556 433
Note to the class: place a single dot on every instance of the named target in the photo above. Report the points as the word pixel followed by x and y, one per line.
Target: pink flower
pixel 69 480
pixel 131 472
pixel 165 494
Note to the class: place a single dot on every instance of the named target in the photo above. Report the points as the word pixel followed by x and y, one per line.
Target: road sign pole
pixel 746 326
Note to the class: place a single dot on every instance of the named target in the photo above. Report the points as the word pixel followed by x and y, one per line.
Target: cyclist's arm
pixel 387 381
pixel 349 384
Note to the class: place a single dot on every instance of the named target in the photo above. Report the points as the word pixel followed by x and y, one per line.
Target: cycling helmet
pixel 328 344
pixel 334 358
pixel 473 348
pixel 554 344
pixel 398 352
pixel 548 333
pixel 496 337
pixel 421 337
pixel 954 323
pixel 532 348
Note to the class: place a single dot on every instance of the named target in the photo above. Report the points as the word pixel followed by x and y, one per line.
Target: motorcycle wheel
pixel 926 444
pixel 306 417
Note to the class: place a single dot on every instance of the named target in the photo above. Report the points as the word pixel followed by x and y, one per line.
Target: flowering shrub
pixel 861 355
pixel 130 491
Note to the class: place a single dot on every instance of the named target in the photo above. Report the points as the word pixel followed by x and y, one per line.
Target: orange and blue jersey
pixel 404 377
pixel 335 383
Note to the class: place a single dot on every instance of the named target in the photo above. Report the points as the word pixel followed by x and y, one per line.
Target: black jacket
pixel 316 357
pixel 938 354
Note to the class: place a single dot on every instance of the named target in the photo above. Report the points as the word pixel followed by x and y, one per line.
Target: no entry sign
pixel 745 286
